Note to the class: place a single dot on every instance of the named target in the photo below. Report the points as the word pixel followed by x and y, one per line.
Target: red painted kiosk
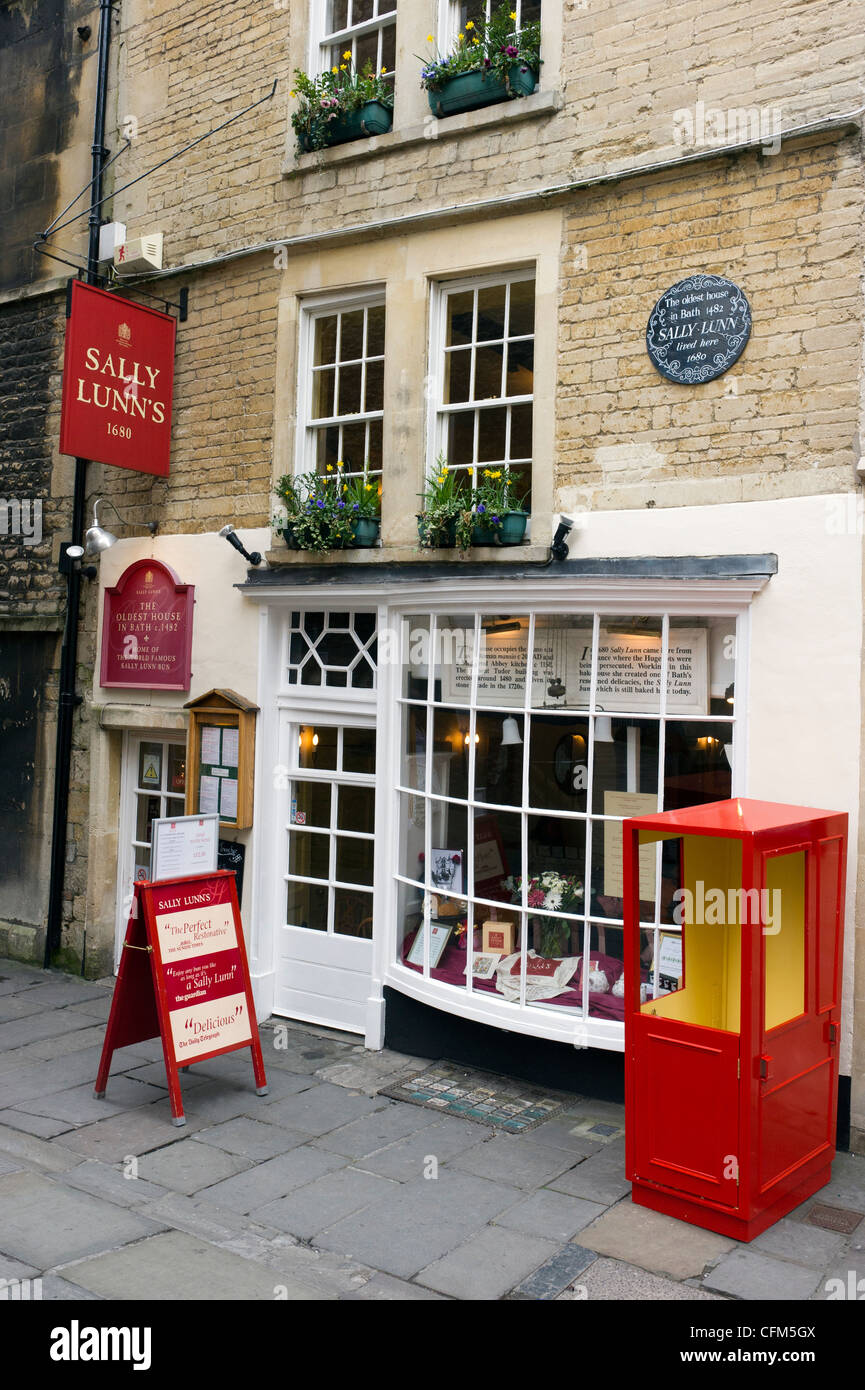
pixel 733 996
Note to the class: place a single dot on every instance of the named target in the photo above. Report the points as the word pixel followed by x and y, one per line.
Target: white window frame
pixel 308 427
pixel 320 40
pixel 609 596
pixel 438 411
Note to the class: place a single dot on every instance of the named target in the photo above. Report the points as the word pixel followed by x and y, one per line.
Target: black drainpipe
pixel 68 695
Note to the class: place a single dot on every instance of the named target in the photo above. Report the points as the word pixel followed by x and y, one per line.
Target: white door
pixel 153 784
pixel 324 940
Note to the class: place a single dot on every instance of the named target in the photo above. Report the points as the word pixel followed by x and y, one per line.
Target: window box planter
pixel 365 532
pixel 512 530
pixel 471 90
pixel 374 118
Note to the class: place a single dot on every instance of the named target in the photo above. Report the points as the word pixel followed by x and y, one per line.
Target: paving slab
pixel 250 1138
pixel 322 1108
pixel 16 1269
pixel 115 1182
pixel 599 1178
pixel 409 1157
pixel 378 1130
pixel 47 1023
pixel 268 1181
pixel 177 1266
pixel 211 1102
pixel 559 1134
pixel 510 1160
pixel 556 1274
pixel 96 1007
pixel 42 1126
pixel 130 1132
pixel 33 1152
pixel 49 1048
pixel 613 1281
pixel 847 1187
pixel 750 1274
pixel 661 1244
pixel 47 1224
pixel 843 1281
pixel 9 1165
pixel 487 1265
pixel 551 1215
pixel 58 990
pixel 370 1073
pixel 198 1217
pixel 323 1202
pixel 189 1167
pixel 802 1243
pixel 419 1223
pixel 385 1288
pixel 80 1107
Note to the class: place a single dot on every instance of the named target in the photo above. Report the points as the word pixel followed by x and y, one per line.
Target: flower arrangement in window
pixel 553 892
pixel 500 517
pixel 447 518
pixel 503 60
pixel 316 513
pixel 341 104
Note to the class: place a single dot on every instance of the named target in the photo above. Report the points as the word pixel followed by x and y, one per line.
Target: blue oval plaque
pixel 698 329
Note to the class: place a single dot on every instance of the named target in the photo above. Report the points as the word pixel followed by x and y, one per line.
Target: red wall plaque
pixel 118 378
pixel 184 976
pixel 147 629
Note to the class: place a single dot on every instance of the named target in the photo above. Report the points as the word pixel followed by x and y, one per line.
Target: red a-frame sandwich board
pixel 184 977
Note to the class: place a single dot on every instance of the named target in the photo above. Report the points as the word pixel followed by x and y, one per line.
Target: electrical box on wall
pixel 732 1009
pixel 220 757
pixel 139 255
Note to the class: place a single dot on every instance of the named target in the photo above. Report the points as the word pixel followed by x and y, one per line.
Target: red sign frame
pixel 184 979
pixel 118 381
pixel 158 610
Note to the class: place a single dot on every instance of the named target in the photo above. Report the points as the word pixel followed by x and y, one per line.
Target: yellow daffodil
pixel 470 24
pixel 347 53
pixel 292 94
pixel 475 41
pixel 430 39
pixel 343 67
pixel 330 468
pixel 383 71
pixel 471 470
pixel 513 14
pixel 340 464
pixel 369 487
pixel 334 70
pixel 462 38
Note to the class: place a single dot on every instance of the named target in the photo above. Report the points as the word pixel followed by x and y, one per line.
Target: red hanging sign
pixel 184 976
pixel 147 629
pixel 118 381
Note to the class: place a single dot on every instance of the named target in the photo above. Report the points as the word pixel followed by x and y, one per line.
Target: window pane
pixel 414 809
pixel 349 390
pixel 374 398
pixel 150 771
pixel 521 432
pixel 461 438
pixel 317 746
pixel 309 855
pixel 522 314
pixel 356 809
pixel 521 366
pixel 626 767
pixel 498 855
pixel 337 17
pixel 375 330
pixel 491 435
pixel 457 376
pixel 388 47
pixel 562 656
pixel 361 10
pixel 697 763
pixel 366 50
pixel 499 759
pixel 327 448
pixel 629 665
pixel 312 802
pixel 488 373
pixel 557 858
pixel 352 913
pixel 373 439
pixel 460 314
pixel 358 750
pixel 306 906
pixel 351 339
pixel 559 762
pixel 148 810
pixel 354 860
pixel 503 653
pixel 325 340
pixel 323 393
pixel 491 313
pixel 784 937
pixel 176 768
pixel 354 447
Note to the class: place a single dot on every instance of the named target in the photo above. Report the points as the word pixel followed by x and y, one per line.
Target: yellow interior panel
pixel 784 976
pixel 711 993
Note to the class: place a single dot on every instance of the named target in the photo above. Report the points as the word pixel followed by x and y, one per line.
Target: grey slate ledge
pixel 616 567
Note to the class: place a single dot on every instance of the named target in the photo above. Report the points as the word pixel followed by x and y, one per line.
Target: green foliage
pixel 447 506
pixel 332 96
pixel 316 515
pixel 491 46
pixel 496 494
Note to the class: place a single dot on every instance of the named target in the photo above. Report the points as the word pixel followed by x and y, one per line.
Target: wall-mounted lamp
pixel 233 539
pixel 559 547
pixel 71 557
pixel 468 738
pixel 98 539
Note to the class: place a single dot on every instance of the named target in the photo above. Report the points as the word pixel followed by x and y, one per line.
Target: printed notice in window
pixel 210 737
pixel 230 746
pixel 228 799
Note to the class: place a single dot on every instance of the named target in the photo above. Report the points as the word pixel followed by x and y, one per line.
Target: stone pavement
pixel 324 1189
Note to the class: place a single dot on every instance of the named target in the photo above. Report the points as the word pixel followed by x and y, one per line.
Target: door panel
pixel 672 1146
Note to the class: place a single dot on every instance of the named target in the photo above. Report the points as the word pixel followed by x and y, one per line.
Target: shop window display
pixel 526 739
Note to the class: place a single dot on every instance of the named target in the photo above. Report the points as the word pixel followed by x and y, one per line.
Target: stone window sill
pixel 536 107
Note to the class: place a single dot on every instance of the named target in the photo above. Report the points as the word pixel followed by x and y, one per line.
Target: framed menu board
pixel 221 757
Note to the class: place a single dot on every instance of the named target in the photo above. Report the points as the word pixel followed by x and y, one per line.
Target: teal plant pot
pixel 372 119
pixel 513 528
pixel 483 535
pixel 365 532
pixel 443 538
pixel 471 90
